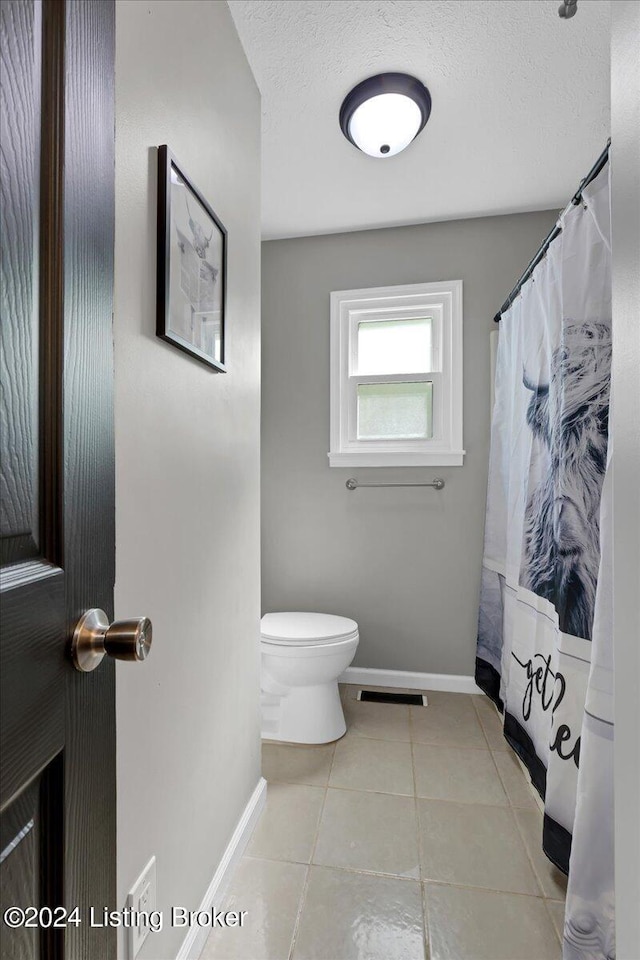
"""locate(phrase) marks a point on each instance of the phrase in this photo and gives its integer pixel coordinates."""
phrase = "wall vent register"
(396, 376)
(382, 696)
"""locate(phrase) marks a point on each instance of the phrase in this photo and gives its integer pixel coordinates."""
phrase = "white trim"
(382, 459)
(193, 943)
(449, 682)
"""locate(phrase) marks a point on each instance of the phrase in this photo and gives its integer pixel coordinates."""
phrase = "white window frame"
(443, 303)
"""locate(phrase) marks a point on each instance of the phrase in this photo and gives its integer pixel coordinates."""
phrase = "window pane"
(395, 411)
(394, 346)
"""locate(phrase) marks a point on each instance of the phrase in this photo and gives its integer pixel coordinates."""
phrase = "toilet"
(303, 654)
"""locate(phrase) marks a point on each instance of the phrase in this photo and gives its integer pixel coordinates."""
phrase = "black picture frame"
(191, 267)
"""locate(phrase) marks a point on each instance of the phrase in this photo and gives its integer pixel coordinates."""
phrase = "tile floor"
(415, 837)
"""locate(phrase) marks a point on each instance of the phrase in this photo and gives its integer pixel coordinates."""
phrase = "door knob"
(123, 639)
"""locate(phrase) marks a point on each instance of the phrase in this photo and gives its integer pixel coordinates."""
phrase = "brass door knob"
(94, 637)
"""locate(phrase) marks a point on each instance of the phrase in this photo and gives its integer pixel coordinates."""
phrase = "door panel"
(19, 870)
(30, 850)
(20, 66)
(33, 670)
(57, 768)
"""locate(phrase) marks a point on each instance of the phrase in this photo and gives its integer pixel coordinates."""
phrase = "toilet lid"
(306, 627)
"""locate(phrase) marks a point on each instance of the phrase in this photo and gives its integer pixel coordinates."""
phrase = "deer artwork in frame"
(191, 267)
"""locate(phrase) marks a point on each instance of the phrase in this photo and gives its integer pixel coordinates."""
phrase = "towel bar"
(353, 484)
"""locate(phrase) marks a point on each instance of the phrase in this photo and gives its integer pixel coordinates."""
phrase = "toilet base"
(311, 714)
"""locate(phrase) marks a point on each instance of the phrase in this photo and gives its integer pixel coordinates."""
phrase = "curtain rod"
(554, 232)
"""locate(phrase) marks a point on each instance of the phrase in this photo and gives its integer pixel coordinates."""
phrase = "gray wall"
(625, 430)
(187, 461)
(404, 563)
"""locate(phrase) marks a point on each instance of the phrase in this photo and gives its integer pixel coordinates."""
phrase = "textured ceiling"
(520, 107)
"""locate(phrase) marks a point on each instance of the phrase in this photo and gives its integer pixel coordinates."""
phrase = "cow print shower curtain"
(544, 650)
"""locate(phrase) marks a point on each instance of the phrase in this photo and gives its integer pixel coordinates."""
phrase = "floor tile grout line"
(493, 751)
(557, 933)
(419, 796)
(505, 747)
(335, 866)
(350, 736)
(428, 743)
(531, 860)
(514, 806)
(305, 887)
(425, 921)
(450, 746)
(470, 886)
(500, 777)
(296, 924)
(479, 719)
(425, 933)
(423, 882)
(526, 850)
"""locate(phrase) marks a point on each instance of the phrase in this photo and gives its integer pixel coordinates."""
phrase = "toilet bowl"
(303, 654)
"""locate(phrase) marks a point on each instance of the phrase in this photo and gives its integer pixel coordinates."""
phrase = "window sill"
(450, 458)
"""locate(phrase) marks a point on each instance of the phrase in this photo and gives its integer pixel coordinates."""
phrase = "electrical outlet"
(141, 901)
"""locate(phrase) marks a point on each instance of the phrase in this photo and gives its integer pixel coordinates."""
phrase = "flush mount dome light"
(383, 114)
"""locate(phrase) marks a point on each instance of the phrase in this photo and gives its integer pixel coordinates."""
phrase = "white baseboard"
(196, 938)
(450, 682)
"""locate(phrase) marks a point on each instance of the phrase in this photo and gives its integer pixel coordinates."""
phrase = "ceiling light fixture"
(383, 114)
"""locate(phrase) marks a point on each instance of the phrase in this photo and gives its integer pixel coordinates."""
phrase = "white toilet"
(303, 654)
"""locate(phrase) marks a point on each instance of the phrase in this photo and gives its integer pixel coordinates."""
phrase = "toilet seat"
(297, 629)
(298, 651)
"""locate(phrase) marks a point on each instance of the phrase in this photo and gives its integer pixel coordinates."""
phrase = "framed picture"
(192, 267)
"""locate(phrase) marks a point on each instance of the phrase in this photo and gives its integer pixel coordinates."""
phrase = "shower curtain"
(544, 652)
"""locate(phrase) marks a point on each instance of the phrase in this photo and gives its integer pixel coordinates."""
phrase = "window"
(396, 376)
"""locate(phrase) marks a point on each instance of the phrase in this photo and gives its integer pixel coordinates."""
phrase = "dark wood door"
(57, 765)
